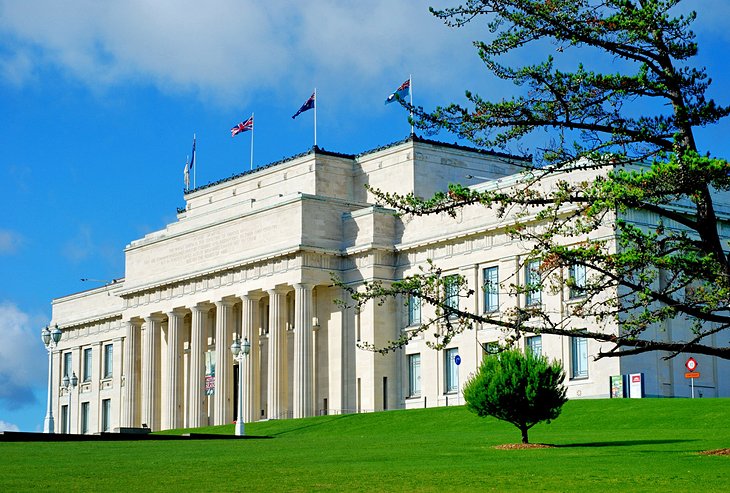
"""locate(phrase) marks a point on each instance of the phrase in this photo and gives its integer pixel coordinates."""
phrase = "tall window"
(64, 419)
(106, 414)
(577, 275)
(84, 417)
(451, 370)
(578, 357)
(533, 283)
(67, 365)
(87, 365)
(534, 345)
(108, 360)
(414, 375)
(451, 291)
(414, 310)
(491, 289)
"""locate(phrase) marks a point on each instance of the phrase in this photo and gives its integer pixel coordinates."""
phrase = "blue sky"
(99, 102)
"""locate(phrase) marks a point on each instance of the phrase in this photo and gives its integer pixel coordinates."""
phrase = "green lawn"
(601, 445)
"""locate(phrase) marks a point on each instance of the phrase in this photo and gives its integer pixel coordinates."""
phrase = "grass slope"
(601, 445)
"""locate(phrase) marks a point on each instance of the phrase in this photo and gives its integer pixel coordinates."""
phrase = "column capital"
(224, 303)
(177, 312)
(304, 285)
(154, 318)
(278, 290)
(252, 295)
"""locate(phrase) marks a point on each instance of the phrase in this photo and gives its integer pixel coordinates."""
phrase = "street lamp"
(50, 339)
(69, 385)
(240, 350)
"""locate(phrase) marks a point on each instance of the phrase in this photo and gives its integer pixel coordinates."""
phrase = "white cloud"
(10, 241)
(21, 357)
(232, 47)
(8, 426)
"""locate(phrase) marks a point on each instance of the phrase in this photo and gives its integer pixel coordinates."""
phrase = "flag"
(186, 174)
(192, 160)
(400, 93)
(242, 127)
(308, 105)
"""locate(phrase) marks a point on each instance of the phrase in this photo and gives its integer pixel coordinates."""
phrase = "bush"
(523, 389)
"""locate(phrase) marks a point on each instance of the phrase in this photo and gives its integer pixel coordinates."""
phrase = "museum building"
(253, 257)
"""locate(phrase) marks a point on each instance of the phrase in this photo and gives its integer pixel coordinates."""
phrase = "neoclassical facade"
(253, 256)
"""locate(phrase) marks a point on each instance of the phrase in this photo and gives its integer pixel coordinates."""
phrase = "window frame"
(414, 310)
(451, 291)
(87, 364)
(451, 371)
(67, 363)
(85, 407)
(532, 276)
(530, 346)
(490, 287)
(578, 358)
(106, 415)
(108, 360)
(578, 290)
(414, 375)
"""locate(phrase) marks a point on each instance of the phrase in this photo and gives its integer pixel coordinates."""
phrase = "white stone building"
(252, 257)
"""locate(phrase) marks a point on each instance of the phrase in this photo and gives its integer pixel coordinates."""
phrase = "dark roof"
(319, 150)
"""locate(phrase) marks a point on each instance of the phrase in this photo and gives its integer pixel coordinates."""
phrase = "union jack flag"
(242, 127)
(400, 93)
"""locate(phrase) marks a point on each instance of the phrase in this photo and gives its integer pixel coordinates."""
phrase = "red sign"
(691, 364)
(692, 374)
(636, 378)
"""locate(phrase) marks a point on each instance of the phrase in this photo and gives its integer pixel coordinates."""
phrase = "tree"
(633, 129)
(522, 389)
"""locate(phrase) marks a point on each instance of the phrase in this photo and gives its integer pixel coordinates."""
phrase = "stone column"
(276, 392)
(172, 417)
(303, 352)
(198, 346)
(130, 404)
(250, 331)
(150, 365)
(223, 410)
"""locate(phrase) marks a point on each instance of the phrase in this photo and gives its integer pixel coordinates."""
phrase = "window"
(108, 360)
(64, 419)
(578, 357)
(87, 365)
(66, 365)
(491, 289)
(106, 414)
(451, 370)
(84, 417)
(414, 375)
(533, 282)
(451, 291)
(534, 345)
(577, 276)
(414, 310)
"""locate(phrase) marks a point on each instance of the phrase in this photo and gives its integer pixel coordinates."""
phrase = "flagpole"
(195, 168)
(410, 87)
(253, 127)
(315, 117)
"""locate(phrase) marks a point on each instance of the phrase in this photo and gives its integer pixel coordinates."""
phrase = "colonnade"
(164, 362)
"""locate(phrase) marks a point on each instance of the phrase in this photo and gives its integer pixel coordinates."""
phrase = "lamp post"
(240, 350)
(69, 384)
(50, 339)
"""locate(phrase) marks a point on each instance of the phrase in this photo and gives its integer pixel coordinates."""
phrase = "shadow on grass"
(621, 443)
(315, 424)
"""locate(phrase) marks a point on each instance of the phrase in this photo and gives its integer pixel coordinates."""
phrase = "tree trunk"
(523, 428)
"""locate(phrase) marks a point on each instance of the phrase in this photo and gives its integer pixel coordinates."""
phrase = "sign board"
(692, 374)
(457, 360)
(691, 365)
(617, 387)
(636, 385)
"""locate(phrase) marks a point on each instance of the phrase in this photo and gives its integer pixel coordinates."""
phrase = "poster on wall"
(210, 373)
(617, 387)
